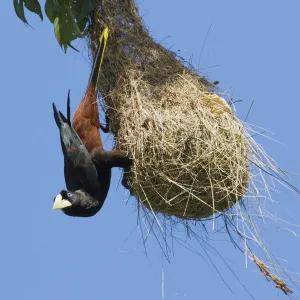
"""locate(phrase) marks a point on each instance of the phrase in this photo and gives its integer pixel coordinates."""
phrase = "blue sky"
(252, 49)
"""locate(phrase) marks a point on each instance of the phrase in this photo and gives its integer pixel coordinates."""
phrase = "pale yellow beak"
(60, 203)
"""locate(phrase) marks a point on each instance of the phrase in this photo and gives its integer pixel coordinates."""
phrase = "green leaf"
(59, 3)
(65, 29)
(51, 10)
(76, 30)
(72, 47)
(69, 18)
(35, 7)
(57, 31)
(82, 24)
(19, 9)
(82, 8)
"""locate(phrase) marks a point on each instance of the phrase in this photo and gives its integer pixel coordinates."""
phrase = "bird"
(87, 165)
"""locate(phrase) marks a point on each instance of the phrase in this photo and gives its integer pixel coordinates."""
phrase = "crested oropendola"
(87, 166)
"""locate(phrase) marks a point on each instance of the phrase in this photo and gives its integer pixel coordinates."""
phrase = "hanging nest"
(192, 157)
(189, 150)
(190, 154)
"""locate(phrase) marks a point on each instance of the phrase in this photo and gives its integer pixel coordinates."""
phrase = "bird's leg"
(114, 158)
(105, 128)
(125, 179)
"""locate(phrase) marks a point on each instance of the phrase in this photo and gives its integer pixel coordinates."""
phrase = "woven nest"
(189, 151)
(192, 157)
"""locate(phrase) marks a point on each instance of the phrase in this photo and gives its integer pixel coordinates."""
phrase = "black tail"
(57, 116)
(98, 59)
(69, 109)
(68, 135)
(75, 152)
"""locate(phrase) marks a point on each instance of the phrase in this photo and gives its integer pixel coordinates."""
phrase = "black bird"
(87, 166)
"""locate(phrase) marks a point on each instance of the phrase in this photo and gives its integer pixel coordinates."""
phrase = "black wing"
(80, 171)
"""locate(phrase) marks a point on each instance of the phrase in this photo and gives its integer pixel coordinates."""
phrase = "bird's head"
(76, 204)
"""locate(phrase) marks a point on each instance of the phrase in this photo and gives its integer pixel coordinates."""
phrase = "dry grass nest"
(190, 154)
(189, 150)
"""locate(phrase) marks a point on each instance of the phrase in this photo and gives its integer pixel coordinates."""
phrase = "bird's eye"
(69, 194)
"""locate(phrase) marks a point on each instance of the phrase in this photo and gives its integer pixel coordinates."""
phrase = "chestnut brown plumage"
(87, 165)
